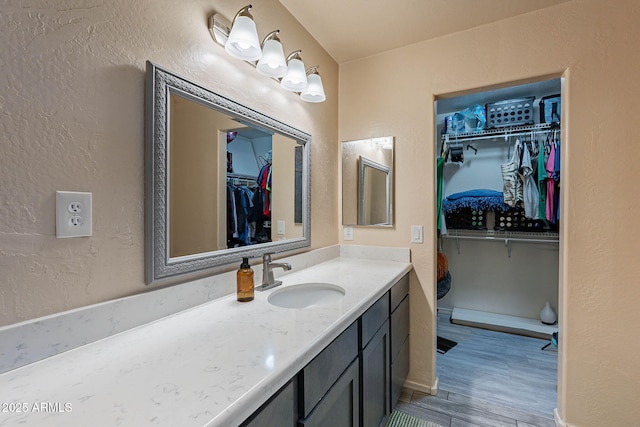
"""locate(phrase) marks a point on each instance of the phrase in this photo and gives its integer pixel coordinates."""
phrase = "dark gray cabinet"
(280, 410)
(375, 378)
(339, 406)
(356, 380)
(399, 330)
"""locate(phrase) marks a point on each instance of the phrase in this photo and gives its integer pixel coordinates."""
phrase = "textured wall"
(72, 118)
(592, 45)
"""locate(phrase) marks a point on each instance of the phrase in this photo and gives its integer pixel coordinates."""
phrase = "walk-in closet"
(499, 214)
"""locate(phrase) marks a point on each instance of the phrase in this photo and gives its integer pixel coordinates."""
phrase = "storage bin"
(467, 218)
(512, 112)
(550, 109)
(514, 220)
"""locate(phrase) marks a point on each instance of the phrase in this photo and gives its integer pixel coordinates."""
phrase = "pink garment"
(550, 167)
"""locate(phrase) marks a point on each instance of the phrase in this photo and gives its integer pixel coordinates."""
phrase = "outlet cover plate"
(348, 232)
(73, 214)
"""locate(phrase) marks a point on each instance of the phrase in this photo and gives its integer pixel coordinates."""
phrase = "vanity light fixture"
(240, 40)
(296, 78)
(272, 63)
(243, 42)
(315, 91)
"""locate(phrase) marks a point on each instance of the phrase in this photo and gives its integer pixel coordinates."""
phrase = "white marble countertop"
(212, 365)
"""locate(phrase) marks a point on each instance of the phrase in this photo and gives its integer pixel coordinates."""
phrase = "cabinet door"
(280, 410)
(399, 349)
(399, 372)
(375, 378)
(325, 369)
(340, 406)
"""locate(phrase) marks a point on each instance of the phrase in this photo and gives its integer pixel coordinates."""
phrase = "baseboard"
(445, 310)
(431, 390)
(503, 323)
(558, 420)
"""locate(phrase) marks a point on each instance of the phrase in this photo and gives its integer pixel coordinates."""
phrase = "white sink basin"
(306, 295)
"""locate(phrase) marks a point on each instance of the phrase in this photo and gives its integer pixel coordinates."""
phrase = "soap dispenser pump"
(245, 281)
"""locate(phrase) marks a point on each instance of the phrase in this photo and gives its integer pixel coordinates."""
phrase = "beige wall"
(72, 107)
(283, 181)
(593, 44)
(196, 176)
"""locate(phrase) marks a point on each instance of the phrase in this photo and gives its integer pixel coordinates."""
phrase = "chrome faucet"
(268, 280)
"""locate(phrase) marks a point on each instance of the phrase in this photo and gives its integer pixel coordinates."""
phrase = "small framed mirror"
(367, 182)
(223, 181)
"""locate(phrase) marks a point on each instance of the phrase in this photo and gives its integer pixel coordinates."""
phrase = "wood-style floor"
(489, 379)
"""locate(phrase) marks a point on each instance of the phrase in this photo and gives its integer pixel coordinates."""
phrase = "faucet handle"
(267, 256)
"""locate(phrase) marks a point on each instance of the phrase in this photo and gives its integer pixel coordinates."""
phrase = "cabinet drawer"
(320, 374)
(399, 327)
(280, 410)
(373, 318)
(399, 291)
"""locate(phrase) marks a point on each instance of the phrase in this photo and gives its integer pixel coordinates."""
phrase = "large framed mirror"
(223, 181)
(367, 182)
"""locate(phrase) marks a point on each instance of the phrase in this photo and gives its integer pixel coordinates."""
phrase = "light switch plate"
(280, 227)
(73, 214)
(416, 234)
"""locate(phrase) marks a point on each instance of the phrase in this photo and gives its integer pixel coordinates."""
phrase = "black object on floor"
(445, 345)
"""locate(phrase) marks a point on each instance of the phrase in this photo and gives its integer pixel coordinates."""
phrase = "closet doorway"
(498, 185)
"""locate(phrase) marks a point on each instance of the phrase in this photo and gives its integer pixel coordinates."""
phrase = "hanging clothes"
(542, 187)
(439, 185)
(240, 208)
(512, 187)
(264, 182)
(529, 187)
(550, 184)
(556, 178)
(549, 179)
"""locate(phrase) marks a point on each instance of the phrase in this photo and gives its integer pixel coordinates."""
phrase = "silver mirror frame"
(159, 267)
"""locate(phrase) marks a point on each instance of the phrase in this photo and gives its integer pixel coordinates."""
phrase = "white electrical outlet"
(348, 232)
(73, 214)
(416, 234)
(280, 227)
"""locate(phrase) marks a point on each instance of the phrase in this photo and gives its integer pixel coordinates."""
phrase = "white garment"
(512, 189)
(529, 187)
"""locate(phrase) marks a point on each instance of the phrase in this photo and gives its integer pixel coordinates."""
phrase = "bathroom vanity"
(226, 363)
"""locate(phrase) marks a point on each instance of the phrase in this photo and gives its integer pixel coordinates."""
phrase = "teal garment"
(439, 177)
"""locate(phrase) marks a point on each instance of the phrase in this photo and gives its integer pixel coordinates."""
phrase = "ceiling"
(353, 29)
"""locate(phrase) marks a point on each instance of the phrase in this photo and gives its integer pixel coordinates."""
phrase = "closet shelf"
(506, 236)
(505, 132)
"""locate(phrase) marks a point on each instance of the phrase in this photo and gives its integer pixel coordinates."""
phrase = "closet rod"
(241, 176)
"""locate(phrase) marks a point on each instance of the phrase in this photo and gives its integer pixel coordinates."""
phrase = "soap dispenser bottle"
(245, 281)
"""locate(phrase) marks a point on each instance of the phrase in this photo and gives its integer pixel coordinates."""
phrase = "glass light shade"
(243, 42)
(296, 78)
(272, 63)
(315, 91)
